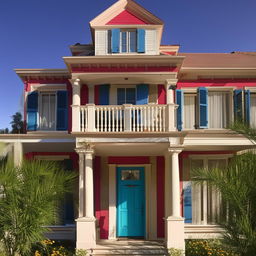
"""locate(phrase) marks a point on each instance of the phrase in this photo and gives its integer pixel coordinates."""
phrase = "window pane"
(218, 109)
(48, 112)
(253, 111)
(189, 111)
(133, 41)
(120, 96)
(131, 96)
(124, 41)
(130, 175)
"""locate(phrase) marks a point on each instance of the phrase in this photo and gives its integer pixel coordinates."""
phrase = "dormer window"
(127, 41)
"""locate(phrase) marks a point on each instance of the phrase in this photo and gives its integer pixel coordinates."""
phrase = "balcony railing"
(125, 118)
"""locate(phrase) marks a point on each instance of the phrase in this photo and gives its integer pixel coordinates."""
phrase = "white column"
(175, 237)
(112, 202)
(170, 84)
(89, 197)
(127, 117)
(17, 153)
(76, 102)
(86, 222)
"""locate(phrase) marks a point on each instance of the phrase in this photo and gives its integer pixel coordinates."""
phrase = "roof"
(246, 60)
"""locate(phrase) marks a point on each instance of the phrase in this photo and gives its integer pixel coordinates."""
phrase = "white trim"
(113, 199)
(48, 87)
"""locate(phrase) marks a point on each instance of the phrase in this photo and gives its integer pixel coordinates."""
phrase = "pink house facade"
(134, 117)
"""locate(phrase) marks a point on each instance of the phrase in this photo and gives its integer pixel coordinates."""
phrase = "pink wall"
(126, 18)
(160, 196)
(161, 94)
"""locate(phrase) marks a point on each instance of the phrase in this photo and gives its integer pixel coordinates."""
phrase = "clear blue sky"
(37, 33)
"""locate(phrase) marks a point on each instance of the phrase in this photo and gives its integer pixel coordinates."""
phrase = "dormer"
(126, 28)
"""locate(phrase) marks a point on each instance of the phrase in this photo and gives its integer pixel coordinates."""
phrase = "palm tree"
(237, 185)
(28, 199)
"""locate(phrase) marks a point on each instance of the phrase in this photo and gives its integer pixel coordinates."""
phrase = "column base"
(175, 233)
(85, 233)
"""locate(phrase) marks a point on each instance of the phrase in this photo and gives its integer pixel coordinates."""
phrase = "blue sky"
(37, 33)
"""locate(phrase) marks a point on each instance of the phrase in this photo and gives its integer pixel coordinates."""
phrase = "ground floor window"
(202, 203)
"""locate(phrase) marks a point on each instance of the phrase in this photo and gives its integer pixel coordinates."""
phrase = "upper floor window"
(128, 41)
(126, 96)
(47, 111)
(204, 109)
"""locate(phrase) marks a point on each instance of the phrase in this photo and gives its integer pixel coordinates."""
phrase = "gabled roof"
(125, 12)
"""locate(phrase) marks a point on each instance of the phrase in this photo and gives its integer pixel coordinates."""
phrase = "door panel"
(130, 202)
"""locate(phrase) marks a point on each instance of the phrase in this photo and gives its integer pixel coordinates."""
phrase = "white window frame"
(40, 107)
(196, 110)
(205, 159)
(128, 46)
(228, 89)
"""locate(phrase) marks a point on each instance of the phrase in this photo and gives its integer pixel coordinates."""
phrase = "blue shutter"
(247, 106)
(187, 199)
(238, 105)
(180, 102)
(142, 94)
(203, 107)
(141, 40)
(32, 111)
(62, 110)
(104, 94)
(115, 42)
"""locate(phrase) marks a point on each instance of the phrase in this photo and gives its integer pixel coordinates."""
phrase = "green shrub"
(175, 252)
(207, 248)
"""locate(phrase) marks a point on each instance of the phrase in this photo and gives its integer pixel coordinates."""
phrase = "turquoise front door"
(130, 202)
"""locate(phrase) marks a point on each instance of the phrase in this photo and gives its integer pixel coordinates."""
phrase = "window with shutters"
(47, 111)
(128, 41)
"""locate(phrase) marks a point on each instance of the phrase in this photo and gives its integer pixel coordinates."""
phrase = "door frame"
(150, 225)
(118, 190)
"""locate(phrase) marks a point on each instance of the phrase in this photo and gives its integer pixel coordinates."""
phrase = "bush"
(207, 248)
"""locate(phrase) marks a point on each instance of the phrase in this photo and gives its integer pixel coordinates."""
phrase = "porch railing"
(125, 118)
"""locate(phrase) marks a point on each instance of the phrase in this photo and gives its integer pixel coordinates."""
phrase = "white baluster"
(117, 120)
(105, 119)
(160, 119)
(121, 119)
(109, 120)
(152, 119)
(113, 119)
(164, 114)
(101, 120)
(141, 119)
(82, 119)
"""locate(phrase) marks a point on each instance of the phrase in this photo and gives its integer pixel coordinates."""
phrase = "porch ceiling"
(130, 149)
(124, 78)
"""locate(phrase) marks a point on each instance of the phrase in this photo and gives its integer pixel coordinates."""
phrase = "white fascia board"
(38, 140)
(123, 140)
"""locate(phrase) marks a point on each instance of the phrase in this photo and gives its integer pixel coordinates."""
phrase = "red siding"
(96, 95)
(124, 69)
(126, 18)
(161, 94)
(101, 215)
(160, 197)
(84, 94)
(129, 160)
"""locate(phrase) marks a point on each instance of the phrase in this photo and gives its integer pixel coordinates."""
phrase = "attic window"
(128, 41)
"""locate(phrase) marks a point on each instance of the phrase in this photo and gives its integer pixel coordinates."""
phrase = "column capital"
(86, 148)
(171, 151)
(171, 82)
(75, 82)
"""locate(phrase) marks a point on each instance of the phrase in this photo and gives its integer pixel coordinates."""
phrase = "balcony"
(124, 118)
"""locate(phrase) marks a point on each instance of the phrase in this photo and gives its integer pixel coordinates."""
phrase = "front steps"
(129, 247)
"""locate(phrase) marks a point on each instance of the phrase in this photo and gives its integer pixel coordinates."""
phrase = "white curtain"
(48, 112)
(218, 109)
(189, 111)
(253, 111)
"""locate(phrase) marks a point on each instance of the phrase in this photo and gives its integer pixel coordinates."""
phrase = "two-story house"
(133, 117)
